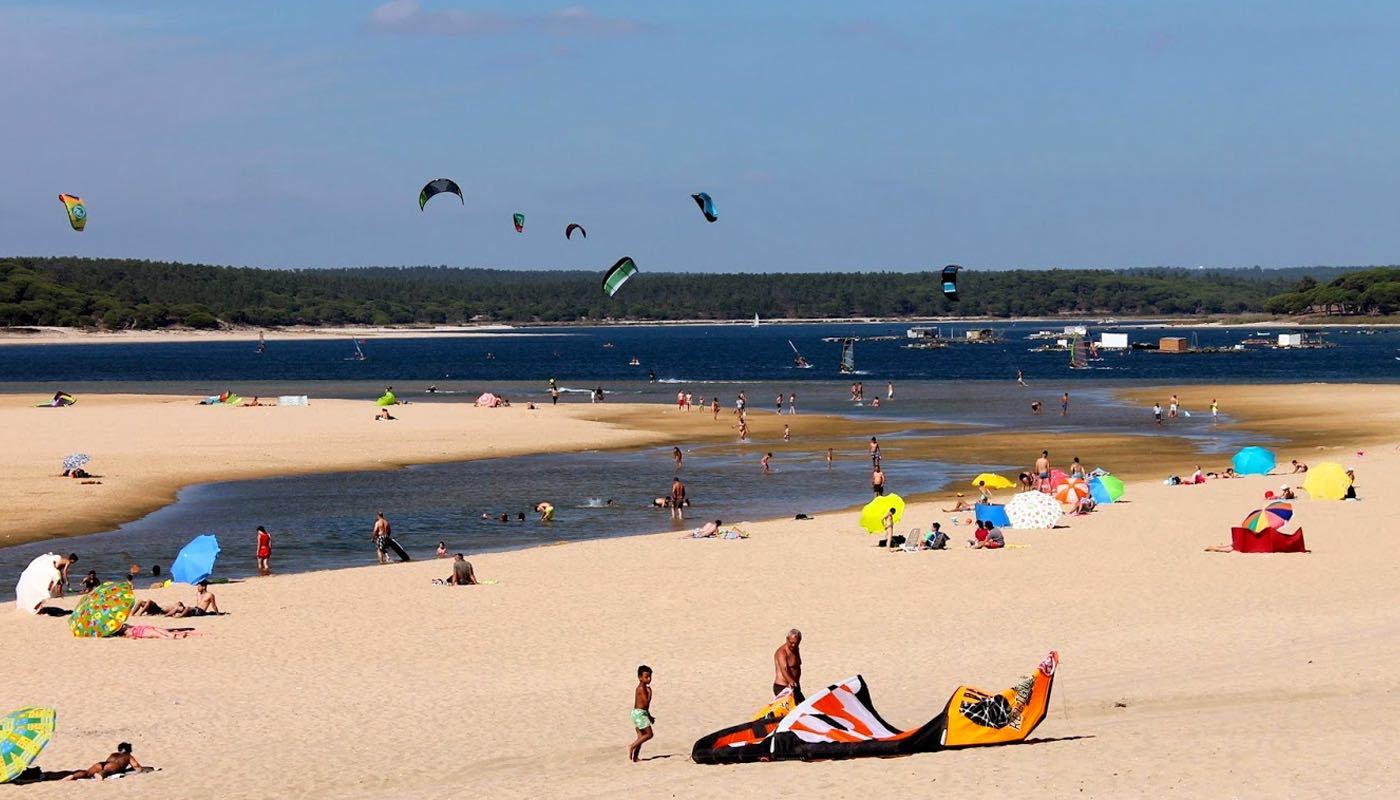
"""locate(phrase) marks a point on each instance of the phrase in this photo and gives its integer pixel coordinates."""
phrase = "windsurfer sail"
(848, 356)
(755, 319)
(262, 343)
(359, 354)
(1078, 353)
(797, 359)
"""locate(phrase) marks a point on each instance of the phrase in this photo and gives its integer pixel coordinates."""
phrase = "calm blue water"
(690, 354)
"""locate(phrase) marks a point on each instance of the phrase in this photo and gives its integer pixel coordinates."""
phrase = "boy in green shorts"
(642, 719)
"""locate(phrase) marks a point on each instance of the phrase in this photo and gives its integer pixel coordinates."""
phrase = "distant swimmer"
(432, 388)
(1035, 407)
(545, 510)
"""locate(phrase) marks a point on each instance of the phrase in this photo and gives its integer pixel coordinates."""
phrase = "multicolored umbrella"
(873, 515)
(196, 559)
(23, 735)
(103, 611)
(1274, 515)
(1033, 510)
(1105, 489)
(993, 481)
(1253, 461)
(1327, 481)
(75, 460)
(1071, 492)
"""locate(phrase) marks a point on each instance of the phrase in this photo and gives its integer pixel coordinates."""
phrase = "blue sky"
(873, 135)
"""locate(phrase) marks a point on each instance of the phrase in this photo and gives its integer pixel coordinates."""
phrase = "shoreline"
(52, 508)
(59, 335)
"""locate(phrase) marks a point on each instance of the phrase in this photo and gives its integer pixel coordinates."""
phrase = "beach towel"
(293, 400)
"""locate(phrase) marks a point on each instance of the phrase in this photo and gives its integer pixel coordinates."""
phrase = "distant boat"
(262, 344)
(755, 320)
(848, 356)
(634, 362)
(359, 354)
(1079, 353)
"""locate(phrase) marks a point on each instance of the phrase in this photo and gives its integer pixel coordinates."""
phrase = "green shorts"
(640, 720)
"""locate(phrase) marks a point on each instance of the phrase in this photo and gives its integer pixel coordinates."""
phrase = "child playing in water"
(642, 719)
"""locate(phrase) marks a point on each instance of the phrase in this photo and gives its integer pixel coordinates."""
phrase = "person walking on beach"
(380, 537)
(787, 433)
(1173, 407)
(743, 430)
(1214, 410)
(714, 406)
(787, 666)
(889, 390)
(1157, 412)
(642, 719)
(1020, 377)
(554, 395)
(677, 499)
(877, 481)
(1064, 404)
(792, 403)
(763, 462)
(779, 404)
(875, 452)
(1042, 471)
(677, 457)
(264, 551)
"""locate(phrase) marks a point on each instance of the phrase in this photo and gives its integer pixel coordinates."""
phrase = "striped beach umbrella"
(103, 611)
(1071, 492)
(23, 735)
(1274, 515)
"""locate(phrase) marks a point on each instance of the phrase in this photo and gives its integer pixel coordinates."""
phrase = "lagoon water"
(323, 521)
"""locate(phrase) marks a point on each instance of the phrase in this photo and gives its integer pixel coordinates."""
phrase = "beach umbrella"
(872, 516)
(196, 559)
(1274, 515)
(1033, 510)
(103, 611)
(1105, 489)
(1057, 477)
(75, 460)
(33, 587)
(1327, 481)
(23, 735)
(993, 481)
(1253, 461)
(1071, 492)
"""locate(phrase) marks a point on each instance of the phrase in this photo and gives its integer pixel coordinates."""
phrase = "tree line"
(115, 294)
(1372, 291)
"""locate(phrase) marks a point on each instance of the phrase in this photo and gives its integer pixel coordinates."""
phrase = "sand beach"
(1183, 673)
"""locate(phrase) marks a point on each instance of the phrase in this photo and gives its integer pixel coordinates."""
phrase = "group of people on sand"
(787, 682)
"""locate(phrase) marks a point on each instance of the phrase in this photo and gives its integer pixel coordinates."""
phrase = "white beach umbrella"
(1033, 510)
(33, 587)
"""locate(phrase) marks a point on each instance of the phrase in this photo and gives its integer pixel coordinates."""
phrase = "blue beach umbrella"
(1253, 461)
(196, 559)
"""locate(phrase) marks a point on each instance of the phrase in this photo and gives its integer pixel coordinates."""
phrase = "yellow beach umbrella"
(873, 515)
(993, 481)
(1327, 481)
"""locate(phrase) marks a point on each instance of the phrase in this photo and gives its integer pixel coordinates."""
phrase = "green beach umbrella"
(23, 735)
(1112, 485)
(103, 611)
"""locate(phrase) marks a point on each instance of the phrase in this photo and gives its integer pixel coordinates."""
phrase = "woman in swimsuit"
(116, 763)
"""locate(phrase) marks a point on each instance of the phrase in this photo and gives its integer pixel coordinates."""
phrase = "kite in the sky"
(950, 282)
(574, 226)
(619, 274)
(707, 206)
(840, 722)
(519, 222)
(77, 212)
(439, 186)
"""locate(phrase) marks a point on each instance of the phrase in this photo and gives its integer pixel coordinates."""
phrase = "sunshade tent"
(196, 559)
(1033, 510)
(33, 587)
(993, 513)
(1105, 489)
(24, 734)
(103, 611)
(1327, 481)
(993, 481)
(873, 515)
(1253, 461)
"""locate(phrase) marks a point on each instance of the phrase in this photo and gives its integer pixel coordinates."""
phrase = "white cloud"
(409, 16)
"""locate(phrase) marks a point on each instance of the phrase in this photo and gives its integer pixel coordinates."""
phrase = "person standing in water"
(787, 433)
(1020, 377)
(1064, 404)
(763, 462)
(778, 403)
(889, 390)
(380, 537)
(792, 403)
(677, 457)
(642, 719)
(877, 481)
(264, 551)
(714, 406)
(829, 455)
(1214, 410)
(677, 499)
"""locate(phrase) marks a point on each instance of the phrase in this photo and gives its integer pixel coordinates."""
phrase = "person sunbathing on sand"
(152, 632)
(116, 763)
(961, 505)
(383, 413)
(148, 608)
(205, 604)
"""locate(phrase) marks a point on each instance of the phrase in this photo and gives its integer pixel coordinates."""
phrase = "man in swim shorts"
(380, 536)
(642, 719)
(1042, 471)
(787, 666)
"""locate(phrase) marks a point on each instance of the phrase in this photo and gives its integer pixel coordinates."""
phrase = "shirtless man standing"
(677, 499)
(787, 666)
(877, 481)
(1042, 471)
(380, 537)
